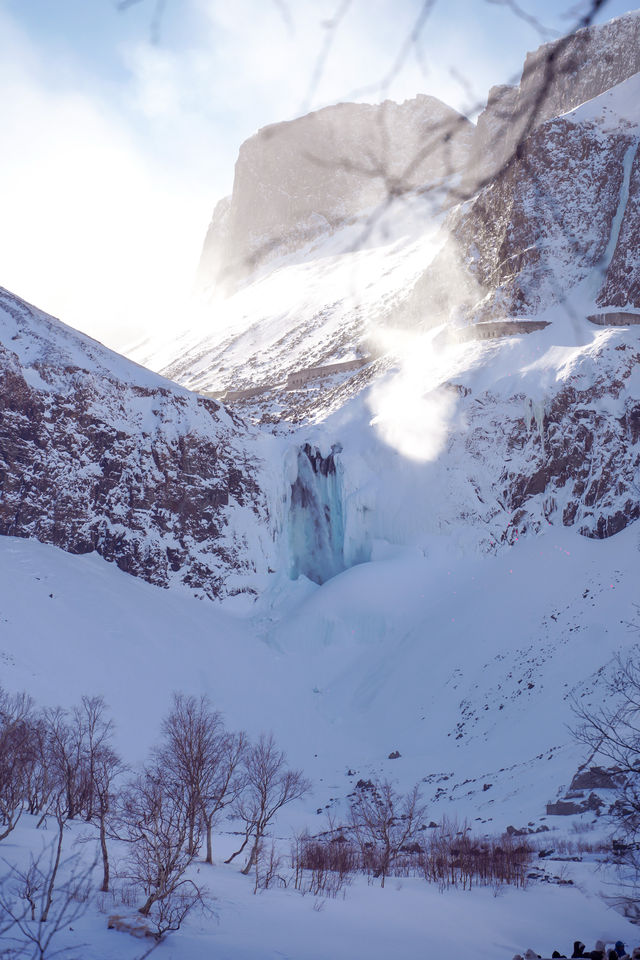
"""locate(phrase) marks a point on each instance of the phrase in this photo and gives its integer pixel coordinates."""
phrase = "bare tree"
(94, 732)
(18, 753)
(324, 865)
(191, 743)
(222, 782)
(384, 822)
(107, 768)
(205, 758)
(30, 920)
(78, 765)
(269, 785)
(65, 760)
(452, 856)
(101, 768)
(156, 823)
(40, 780)
(171, 911)
(611, 733)
(611, 730)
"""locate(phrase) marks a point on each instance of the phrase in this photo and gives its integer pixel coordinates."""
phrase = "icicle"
(538, 413)
(316, 522)
(528, 413)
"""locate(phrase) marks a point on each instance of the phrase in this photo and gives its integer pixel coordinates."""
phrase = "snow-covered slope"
(464, 665)
(318, 305)
(562, 213)
(556, 78)
(97, 453)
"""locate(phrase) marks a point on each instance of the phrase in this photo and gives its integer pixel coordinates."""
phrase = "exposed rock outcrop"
(557, 77)
(296, 179)
(97, 453)
(622, 284)
(565, 212)
(572, 459)
(587, 471)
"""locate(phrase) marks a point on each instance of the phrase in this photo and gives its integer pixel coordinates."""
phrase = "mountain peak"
(298, 178)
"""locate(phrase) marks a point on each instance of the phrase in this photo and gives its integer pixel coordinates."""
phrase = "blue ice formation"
(316, 520)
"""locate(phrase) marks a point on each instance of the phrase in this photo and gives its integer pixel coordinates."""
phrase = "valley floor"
(446, 659)
(406, 919)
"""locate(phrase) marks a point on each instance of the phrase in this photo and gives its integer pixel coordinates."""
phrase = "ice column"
(316, 520)
(534, 411)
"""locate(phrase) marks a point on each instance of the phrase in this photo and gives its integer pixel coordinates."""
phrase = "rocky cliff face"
(557, 227)
(621, 287)
(97, 453)
(556, 78)
(571, 458)
(297, 179)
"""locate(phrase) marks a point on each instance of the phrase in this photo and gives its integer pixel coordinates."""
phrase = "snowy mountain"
(97, 453)
(518, 424)
(399, 446)
(556, 78)
(297, 180)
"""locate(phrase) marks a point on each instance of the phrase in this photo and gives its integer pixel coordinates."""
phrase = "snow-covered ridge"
(100, 454)
(296, 180)
(38, 339)
(556, 78)
(612, 109)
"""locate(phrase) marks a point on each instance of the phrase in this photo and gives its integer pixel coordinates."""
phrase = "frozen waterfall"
(316, 521)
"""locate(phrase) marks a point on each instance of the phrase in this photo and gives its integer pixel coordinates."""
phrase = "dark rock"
(597, 778)
(567, 808)
(90, 460)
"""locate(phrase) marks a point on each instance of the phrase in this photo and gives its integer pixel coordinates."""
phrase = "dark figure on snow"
(578, 949)
(620, 950)
(558, 956)
(600, 951)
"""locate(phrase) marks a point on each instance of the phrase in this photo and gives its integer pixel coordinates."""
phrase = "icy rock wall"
(316, 516)
(316, 521)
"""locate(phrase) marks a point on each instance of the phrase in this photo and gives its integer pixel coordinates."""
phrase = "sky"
(121, 124)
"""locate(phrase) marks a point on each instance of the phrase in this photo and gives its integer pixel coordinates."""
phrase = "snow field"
(460, 663)
(406, 919)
